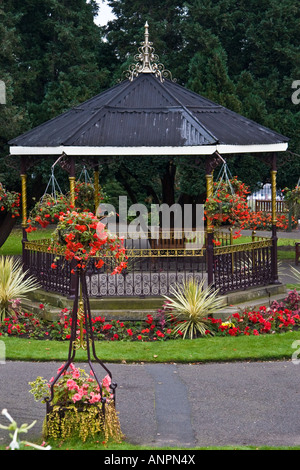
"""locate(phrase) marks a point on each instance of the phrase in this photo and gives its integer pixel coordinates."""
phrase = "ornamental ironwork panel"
(242, 266)
(146, 276)
(38, 261)
(150, 272)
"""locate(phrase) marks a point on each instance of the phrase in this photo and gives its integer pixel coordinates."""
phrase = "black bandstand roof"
(145, 115)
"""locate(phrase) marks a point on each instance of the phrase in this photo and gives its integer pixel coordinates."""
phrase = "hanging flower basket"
(292, 199)
(81, 236)
(228, 205)
(77, 407)
(52, 206)
(85, 197)
(292, 196)
(47, 211)
(9, 211)
(9, 202)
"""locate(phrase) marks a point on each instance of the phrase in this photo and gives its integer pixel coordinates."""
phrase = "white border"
(109, 151)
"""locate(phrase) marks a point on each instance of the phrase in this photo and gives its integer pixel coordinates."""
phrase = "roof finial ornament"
(147, 61)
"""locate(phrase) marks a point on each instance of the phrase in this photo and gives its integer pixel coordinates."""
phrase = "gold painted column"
(96, 187)
(72, 180)
(274, 261)
(209, 226)
(209, 193)
(273, 185)
(23, 176)
(72, 189)
(24, 200)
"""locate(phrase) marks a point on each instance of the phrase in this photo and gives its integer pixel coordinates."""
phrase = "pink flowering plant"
(75, 386)
(77, 406)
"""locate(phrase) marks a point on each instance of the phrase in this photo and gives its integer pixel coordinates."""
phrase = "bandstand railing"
(242, 266)
(152, 271)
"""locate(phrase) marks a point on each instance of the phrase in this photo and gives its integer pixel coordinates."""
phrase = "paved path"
(183, 405)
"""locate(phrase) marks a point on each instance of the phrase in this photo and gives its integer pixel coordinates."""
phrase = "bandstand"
(150, 114)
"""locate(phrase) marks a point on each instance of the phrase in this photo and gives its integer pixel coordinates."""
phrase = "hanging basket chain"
(55, 188)
(224, 175)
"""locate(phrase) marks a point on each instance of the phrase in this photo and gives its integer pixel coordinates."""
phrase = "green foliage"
(191, 306)
(14, 283)
(244, 55)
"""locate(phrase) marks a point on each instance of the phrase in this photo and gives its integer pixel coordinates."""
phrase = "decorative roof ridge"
(147, 61)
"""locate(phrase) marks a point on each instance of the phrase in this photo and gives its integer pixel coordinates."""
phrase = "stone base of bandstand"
(136, 308)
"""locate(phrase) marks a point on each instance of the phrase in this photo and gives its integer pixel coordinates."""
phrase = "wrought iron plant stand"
(82, 320)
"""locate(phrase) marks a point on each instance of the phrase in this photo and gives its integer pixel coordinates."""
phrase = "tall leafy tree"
(13, 117)
(126, 32)
(60, 55)
(53, 55)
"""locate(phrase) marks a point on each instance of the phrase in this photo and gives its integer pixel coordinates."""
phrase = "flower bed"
(279, 318)
(27, 325)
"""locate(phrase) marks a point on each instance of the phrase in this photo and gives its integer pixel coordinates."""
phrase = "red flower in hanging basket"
(228, 204)
(82, 237)
(46, 211)
(9, 201)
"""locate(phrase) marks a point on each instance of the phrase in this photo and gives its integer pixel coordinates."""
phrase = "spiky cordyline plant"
(192, 305)
(14, 283)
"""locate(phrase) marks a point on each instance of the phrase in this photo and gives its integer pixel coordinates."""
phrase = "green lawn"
(13, 245)
(208, 349)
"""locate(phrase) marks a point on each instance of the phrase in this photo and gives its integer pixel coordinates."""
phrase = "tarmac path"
(178, 405)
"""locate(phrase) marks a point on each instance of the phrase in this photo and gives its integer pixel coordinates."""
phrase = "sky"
(105, 13)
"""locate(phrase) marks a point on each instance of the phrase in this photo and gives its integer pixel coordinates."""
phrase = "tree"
(13, 117)
(126, 32)
(60, 55)
(53, 59)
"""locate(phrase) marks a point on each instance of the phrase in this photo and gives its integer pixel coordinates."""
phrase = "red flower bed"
(278, 318)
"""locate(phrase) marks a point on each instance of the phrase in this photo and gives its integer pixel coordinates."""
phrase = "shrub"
(14, 283)
(191, 306)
